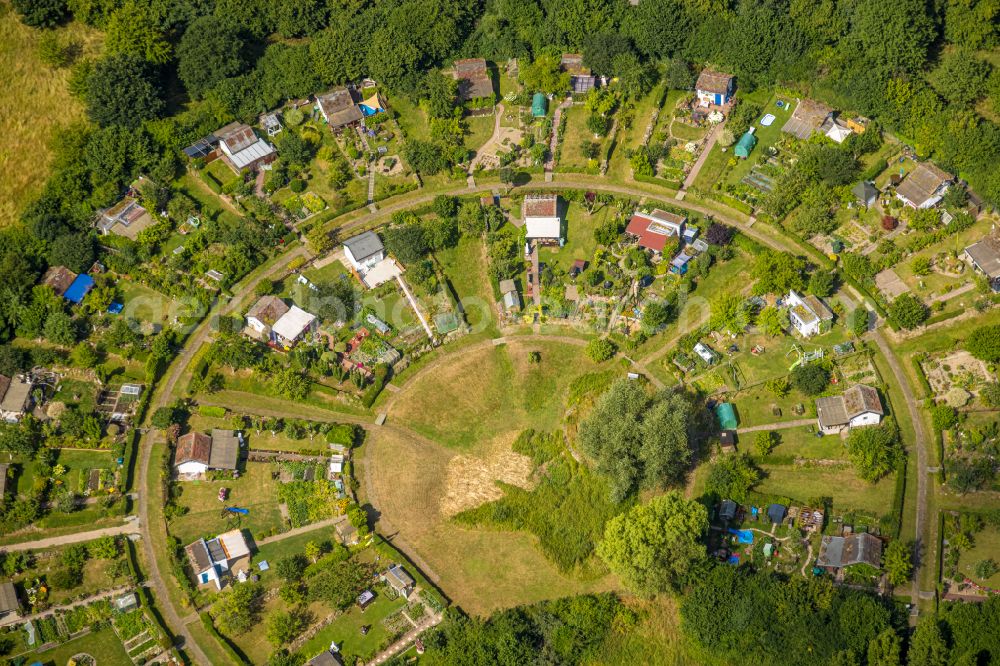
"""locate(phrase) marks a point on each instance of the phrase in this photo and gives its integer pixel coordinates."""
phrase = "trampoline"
(767, 119)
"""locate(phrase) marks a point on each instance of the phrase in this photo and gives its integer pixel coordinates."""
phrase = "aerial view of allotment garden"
(500, 332)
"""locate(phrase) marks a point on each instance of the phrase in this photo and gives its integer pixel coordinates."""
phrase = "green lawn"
(986, 545)
(465, 267)
(146, 304)
(801, 443)
(716, 162)
(393, 308)
(472, 386)
(479, 132)
(766, 136)
(580, 242)
(411, 118)
(211, 206)
(803, 484)
(685, 132)
(77, 464)
(103, 645)
(631, 138)
(346, 630)
(254, 490)
(332, 272)
(575, 138)
(293, 545)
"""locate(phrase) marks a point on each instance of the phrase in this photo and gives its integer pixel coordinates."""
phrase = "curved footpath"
(369, 220)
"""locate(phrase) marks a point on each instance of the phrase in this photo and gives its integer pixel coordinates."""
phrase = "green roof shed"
(726, 415)
(745, 145)
(538, 105)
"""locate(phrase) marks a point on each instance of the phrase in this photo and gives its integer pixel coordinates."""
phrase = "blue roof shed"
(80, 287)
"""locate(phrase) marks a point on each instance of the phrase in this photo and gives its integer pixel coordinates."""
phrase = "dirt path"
(164, 392)
(305, 529)
(415, 306)
(781, 425)
(923, 525)
(130, 527)
(64, 607)
(407, 639)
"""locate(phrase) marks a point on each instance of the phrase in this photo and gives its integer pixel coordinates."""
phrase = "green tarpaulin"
(727, 416)
(745, 145)
(538, 105)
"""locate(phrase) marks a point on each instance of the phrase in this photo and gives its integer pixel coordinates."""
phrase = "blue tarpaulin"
(734, 559)
(115, 308)
(81, 285)
(743, 536)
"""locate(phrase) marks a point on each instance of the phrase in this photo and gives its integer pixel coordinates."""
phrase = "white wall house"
(293, 326)
(924, 187)
(264, 313)
(713, 88)
(857, 407)
(364, 251)
(541, 218)
(808, 314)
(213, 560)
(15, 397)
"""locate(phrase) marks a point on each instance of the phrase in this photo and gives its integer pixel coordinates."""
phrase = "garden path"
(713, 136)
(131, 526)
(329, 522)
(780, 425)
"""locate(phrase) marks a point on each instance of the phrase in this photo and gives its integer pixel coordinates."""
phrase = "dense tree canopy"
(652, 547)
(638, 440)
(123, 90)
(208, 52)
(760, 618)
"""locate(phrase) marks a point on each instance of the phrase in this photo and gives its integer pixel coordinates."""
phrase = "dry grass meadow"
(34, 103)
(413, 485)
(466, 412)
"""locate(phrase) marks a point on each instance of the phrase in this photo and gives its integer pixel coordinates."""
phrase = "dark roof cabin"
(339, 108)
(59, 278)
(225, 449)
(474, 80)
(728, 509)
(807, 118)
(326, 658)
(836, 552)
(776, 512)
(581, 80)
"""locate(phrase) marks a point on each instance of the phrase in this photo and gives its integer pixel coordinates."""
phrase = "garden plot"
(890, 285)
(858, 369)
(959, 370)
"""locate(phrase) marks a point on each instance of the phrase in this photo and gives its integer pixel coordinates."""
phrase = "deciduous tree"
(653, 546)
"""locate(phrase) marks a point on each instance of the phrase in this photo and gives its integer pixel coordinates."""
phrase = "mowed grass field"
(802, 483)
(34, 103)
(466, 401)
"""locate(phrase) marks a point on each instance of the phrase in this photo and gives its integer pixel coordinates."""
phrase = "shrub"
(297, 185)
(810, 379)
(601, 349)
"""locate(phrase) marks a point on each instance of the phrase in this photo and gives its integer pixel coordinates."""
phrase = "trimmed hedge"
(206, 621)
(918, 370)
(211, 410)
